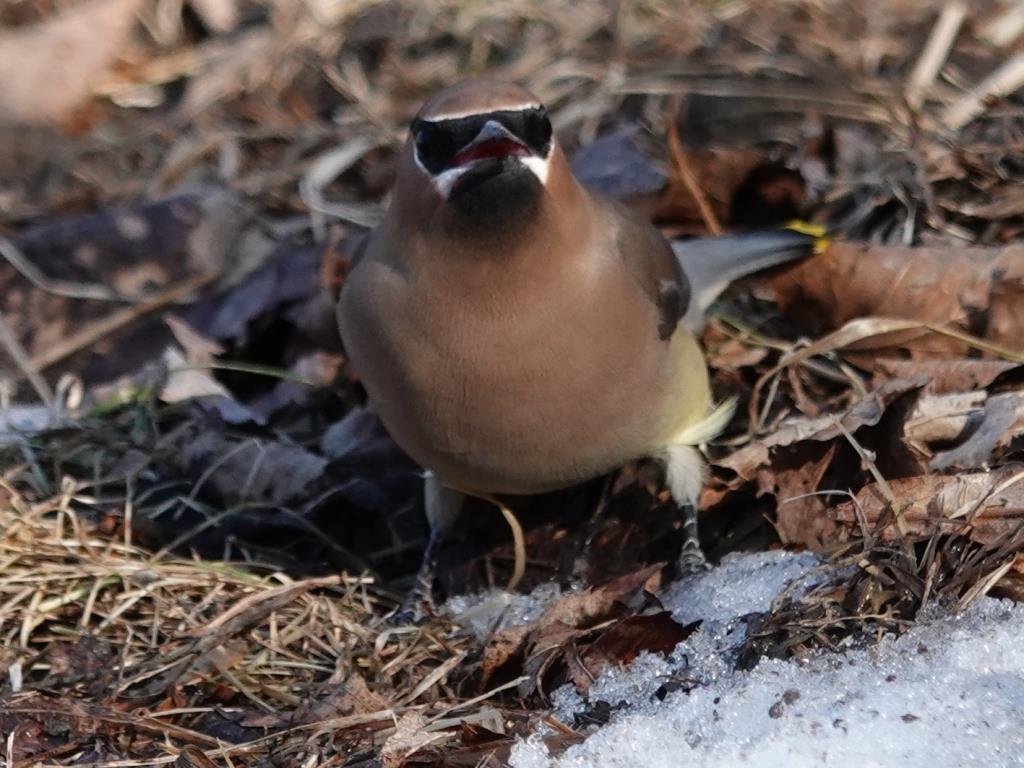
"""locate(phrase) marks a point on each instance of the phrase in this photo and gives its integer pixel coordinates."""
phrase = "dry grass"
(101, 638)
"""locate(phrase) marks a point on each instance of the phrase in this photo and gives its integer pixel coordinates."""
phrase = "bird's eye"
(537, 130)
(434, 145)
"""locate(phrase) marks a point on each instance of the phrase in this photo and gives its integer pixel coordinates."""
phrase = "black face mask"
(439, 141)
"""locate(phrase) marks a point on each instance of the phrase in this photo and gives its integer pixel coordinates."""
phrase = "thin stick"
(518, 540)
(67, 288)
(682, 165)
(1005, 28)
(869, 462)
(1004, 81)
(93, 332)
(29, 369)
(935, 52)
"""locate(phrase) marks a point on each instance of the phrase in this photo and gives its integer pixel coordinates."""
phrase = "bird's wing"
(650, 260)
(710, 264)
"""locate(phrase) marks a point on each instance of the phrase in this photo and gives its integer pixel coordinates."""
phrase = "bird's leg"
(691, 558)
(443, 506)
(684, 475)
(595, 518)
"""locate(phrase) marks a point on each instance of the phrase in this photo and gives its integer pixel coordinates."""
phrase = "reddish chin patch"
(485, 150)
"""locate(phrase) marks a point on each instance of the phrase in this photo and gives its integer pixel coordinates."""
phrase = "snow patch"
(946, 693)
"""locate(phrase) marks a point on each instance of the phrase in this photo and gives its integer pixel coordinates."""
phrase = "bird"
(520, 334)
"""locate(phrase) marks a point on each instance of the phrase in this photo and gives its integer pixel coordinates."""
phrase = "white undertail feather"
(685, 471)
(708, 427)
(685, 468)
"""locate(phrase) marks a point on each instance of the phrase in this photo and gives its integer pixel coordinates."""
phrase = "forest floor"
(203, 527)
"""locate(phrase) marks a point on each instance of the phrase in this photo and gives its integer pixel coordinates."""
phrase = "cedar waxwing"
(519, 334)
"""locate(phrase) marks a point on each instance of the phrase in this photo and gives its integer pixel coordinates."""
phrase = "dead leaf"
(624, 640)
(974, 423)
(866, 412)
(48, 69)
(985, 505)
(944, 376)
(618, 167)
(793, 477)
(999, 417)
(409, 737)
(720, 173)
(502, 649)
(981, 290)
(73, 274)
(572, 616)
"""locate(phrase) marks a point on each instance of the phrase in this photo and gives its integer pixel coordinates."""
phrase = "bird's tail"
(712, 263)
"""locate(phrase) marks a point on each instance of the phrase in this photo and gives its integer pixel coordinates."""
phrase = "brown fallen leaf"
(985, 505)
(866, 412)
(965, 427)
(409, 737)
(944, 376)
(806, 456)
(624, 640)
(719, 173)
(65, 278)
(549, 644)
(793, 477)
(981, 290)
(47, 70)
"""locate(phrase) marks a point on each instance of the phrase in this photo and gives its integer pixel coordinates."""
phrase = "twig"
(1004, 81)
(93, 332)
(1006, 27)
(67, 288)
(682, 165)
(29, 369)
(869, 462)
(518, 540)
(935, 52)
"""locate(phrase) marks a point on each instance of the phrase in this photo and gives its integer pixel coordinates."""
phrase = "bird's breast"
(504, 386)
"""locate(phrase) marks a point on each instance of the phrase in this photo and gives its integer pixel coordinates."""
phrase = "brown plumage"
(516, 333)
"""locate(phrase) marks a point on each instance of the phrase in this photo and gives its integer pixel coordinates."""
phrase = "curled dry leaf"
(793, 462)
(975, 423)
(987, 506)
(981, 290)
(944, 376)
(409, 737)
(567, 622)
(865, 412)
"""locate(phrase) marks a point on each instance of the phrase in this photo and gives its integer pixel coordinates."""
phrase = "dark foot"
(691, 558)
(418, 605)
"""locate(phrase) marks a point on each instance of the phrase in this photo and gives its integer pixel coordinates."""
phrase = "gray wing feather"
(711, 264)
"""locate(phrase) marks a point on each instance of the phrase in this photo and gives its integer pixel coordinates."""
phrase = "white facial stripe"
(444, 181)
(538, 166)
(470, 112)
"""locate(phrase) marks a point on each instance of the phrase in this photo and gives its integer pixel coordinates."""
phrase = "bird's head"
(485, 148)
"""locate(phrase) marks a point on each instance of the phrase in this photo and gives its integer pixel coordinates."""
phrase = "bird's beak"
(493, 141)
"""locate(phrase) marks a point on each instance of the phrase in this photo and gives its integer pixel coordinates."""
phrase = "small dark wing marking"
(670, 302)
(653, 264)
